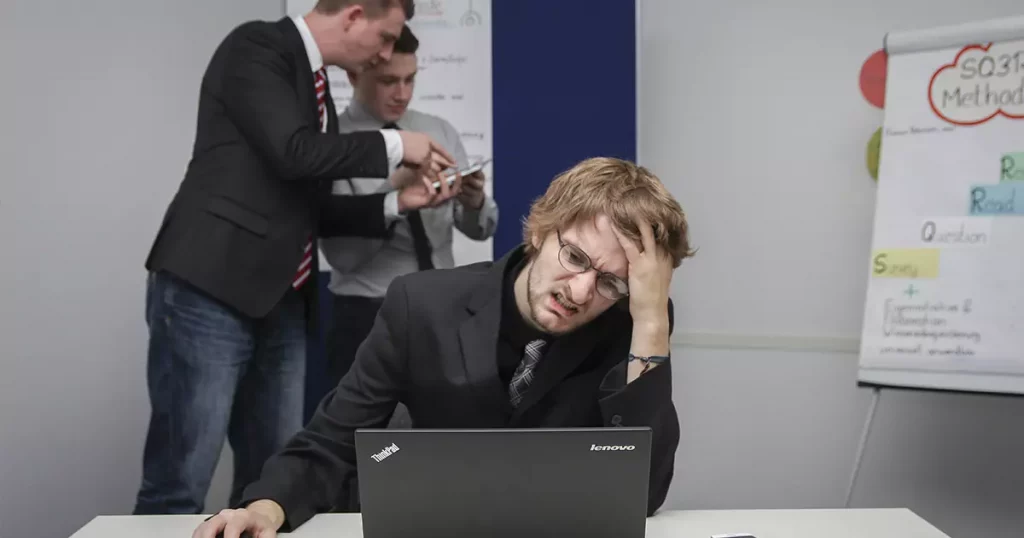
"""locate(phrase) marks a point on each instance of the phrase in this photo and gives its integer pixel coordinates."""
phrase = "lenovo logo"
(612, 447)
(383, 454)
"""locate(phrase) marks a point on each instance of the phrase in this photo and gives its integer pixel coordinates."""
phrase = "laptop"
(497, 483)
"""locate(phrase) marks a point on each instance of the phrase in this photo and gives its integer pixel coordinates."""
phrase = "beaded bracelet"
(648, 361)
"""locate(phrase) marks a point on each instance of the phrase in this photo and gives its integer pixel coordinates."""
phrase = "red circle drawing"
(872, 78)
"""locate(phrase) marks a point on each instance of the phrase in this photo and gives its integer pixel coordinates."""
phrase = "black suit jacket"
(433, 347)
(258, 183)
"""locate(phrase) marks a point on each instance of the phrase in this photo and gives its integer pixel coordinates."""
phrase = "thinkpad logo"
(383, 454)
(612, 447)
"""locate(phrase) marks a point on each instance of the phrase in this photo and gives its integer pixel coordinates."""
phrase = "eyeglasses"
(574, 260)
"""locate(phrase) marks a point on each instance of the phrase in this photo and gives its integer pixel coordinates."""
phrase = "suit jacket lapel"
(305, 83)
(478, 336)
(304, 71)
(332, 113)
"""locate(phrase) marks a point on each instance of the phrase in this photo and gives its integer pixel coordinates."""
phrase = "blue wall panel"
(564, 89)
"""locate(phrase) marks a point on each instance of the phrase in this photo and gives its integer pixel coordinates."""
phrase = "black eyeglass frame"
(620, 287)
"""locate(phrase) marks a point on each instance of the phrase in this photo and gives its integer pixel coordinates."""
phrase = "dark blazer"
(258, 183)
(433, 348)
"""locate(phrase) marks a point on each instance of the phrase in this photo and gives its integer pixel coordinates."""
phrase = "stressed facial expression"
(576, 275)
(368, 41)
(387, 88)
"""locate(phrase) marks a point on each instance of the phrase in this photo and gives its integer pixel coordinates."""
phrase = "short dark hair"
(406, 42)
(372, 6)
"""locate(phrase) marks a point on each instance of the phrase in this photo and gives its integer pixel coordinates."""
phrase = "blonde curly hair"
(622, 190)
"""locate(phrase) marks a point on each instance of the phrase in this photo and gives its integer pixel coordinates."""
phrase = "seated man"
(571, 329)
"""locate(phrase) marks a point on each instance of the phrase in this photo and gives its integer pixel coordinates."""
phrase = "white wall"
(751, 113)
(99, 110)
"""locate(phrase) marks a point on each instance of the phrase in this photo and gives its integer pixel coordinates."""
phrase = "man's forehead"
(599, 228)
(400, 64)
(393, 21)
(598, 240)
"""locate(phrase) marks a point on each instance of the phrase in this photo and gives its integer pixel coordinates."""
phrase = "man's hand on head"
(650, 277)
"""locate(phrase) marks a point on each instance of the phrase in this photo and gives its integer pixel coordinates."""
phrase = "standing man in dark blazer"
(231, 287)
(570, 330)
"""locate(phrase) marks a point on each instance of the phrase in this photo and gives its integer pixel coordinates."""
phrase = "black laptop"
(515, 483)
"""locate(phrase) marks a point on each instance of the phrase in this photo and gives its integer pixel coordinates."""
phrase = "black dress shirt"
(514, 332)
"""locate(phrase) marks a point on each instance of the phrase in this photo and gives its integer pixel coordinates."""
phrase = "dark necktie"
(420, 241)
(523, 376)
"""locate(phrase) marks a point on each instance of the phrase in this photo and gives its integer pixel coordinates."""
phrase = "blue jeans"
(213, 374)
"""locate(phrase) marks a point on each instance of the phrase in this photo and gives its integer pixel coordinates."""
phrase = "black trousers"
(351, 320)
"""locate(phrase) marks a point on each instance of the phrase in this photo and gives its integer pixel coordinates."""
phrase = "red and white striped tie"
(320, 86)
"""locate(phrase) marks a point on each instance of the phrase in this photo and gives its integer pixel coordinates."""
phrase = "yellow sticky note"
(905, 263)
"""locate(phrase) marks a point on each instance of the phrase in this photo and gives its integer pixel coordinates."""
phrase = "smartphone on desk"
(471, 169)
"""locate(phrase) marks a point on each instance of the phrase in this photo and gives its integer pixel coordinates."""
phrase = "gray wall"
(751, 113)
(99, 104)
(98, 120)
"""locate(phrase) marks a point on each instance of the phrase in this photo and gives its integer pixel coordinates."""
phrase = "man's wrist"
(650, 338)
(654, 326)
(649, 346)
(392, 207)
(268, 509)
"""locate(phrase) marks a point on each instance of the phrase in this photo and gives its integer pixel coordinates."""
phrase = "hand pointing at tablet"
(423, 153)
(417, 195)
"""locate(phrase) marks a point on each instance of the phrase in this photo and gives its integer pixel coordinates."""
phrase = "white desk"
(856, 523)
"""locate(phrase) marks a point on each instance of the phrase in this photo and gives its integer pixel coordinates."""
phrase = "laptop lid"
(499, 483)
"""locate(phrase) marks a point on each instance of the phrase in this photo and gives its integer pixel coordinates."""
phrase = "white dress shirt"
(365, 267)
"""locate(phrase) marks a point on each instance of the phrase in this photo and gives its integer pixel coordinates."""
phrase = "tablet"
(450, 176)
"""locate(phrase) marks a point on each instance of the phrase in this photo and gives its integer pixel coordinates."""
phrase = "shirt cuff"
(487, 212)
(391, 213)
(393, 143)
(480, 216)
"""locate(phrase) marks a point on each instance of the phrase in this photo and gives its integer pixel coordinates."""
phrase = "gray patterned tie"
(524, 373)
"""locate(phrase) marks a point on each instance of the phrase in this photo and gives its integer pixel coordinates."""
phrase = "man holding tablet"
(569, 330)
(362, 268)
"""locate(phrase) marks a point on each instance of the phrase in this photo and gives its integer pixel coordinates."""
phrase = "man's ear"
(535, 241)
(350, 14)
